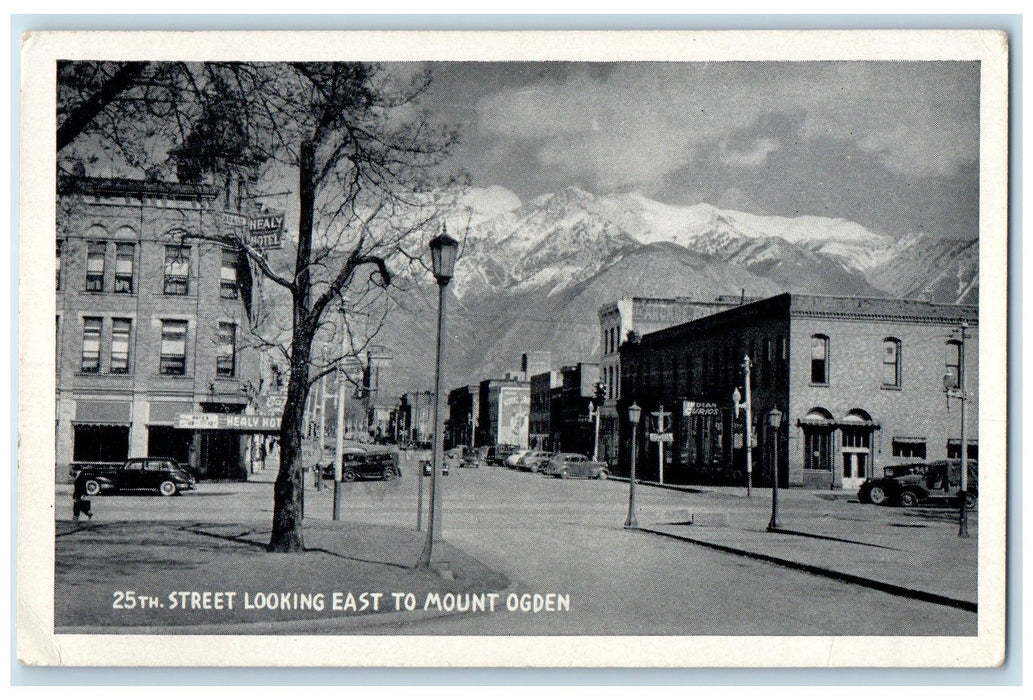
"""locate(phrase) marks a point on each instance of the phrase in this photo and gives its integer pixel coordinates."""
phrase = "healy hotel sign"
(265, 231)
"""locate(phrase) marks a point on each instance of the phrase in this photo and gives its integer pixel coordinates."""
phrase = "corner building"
(150, 325)
(860, 384)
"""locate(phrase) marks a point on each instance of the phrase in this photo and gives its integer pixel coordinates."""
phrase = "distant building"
(463, 414)
(151, 326)
(860, 384)
(504, 406)
(535, 362)
(573, 426)
(414, 418)
(540, 424)
(640, 315)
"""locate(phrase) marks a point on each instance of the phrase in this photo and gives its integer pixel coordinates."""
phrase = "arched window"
(952, 365)
(819, 359)
(891, 362)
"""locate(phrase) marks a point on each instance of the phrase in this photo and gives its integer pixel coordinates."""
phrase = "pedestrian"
(81, 505)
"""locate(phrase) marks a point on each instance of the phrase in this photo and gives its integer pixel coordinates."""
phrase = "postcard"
(551, 349)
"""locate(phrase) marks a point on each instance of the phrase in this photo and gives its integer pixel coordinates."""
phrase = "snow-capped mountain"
(533, 275)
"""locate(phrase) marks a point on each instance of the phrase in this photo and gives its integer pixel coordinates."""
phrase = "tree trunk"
(289, 492)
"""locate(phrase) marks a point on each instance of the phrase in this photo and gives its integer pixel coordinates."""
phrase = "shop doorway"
(857, 429)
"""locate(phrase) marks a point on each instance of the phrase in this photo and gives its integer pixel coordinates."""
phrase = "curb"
(875, 584)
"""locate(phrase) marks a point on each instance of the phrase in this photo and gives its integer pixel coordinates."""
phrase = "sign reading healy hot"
(229, 421)
(266, 231)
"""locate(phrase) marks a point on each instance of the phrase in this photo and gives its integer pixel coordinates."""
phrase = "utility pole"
(747, 408)
(661, 429)
(318, 474)
(342, 379)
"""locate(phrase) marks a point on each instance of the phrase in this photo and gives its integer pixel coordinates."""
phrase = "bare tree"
(367, 160)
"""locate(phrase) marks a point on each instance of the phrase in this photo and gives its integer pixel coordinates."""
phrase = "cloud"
(633, 125)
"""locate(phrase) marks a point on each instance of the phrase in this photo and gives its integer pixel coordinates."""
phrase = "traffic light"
(600, 393)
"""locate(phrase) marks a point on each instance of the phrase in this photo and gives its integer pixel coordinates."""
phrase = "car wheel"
(970, 501)
(602, 475)
(348, 475)
(564, 473)
(168, 488)
(92, 488)
(908, 499)
(877, 495)
(389, 474)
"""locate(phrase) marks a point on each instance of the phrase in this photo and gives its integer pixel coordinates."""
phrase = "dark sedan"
(921, 482)
(357, 463)
(161, 474)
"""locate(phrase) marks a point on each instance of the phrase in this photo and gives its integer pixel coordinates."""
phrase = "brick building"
(860, 383)
(151, 325)
(504, 412)
(540, 424)
(463, 414)
(640, 315)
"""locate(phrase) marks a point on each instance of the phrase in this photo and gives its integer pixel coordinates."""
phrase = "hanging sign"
(266, 231)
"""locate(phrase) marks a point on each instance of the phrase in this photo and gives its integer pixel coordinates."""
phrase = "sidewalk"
(913, 552)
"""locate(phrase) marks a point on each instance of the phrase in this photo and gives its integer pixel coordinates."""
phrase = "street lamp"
(443, 251)
(747, 408)
(634, 415)
(774, 422)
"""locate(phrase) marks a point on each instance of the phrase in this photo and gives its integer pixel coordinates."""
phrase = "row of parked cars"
(563, 465)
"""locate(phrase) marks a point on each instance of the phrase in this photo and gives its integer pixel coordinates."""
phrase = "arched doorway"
(856, 448)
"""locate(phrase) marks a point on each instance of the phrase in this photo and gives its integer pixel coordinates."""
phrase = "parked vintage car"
(360, 463)
(534, 461)
(511, 460)
(919, 482)
(497, 454)
(162, 474)
(470, 458)
(566, 465)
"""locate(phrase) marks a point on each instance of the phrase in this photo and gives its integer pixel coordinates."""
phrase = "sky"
(893, 146)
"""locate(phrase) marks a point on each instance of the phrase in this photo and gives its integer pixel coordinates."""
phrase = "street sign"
(700, 408)
(230, 421)
(661, 437)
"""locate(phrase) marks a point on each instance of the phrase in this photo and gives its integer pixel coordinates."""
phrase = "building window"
(91, 345)
(909, 448)
(120, 329)
(891, 362)
(124, 253)
(95, 266)
(173, 347)
(57, 262)
(225, 362)
(954, 449)
(819, 359)
(952, 365)
(228, 275)
(177, 269)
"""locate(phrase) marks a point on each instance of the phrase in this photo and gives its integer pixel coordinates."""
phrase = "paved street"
(567, 537)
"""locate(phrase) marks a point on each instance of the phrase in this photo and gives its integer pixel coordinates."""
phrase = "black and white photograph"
(561, 349)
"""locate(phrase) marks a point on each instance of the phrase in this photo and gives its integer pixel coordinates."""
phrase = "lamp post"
(955, 389)
(443, 251)
(634, 415)
(774, 422)
(747, 408)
